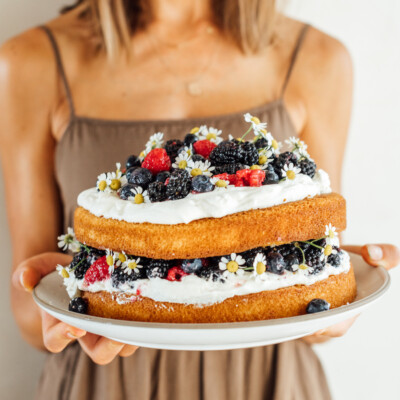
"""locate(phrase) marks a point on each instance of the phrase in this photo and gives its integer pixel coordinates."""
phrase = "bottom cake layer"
(289, 301)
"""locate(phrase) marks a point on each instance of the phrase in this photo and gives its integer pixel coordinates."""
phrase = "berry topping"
(227, 152)
(192, 266)
(201, 184)
(282, 160)
(190, 138)
(315, 259)
(256, 177)
(204, 147)
(126, 191)
(162, 176)
(129, 172)
(275, 263)
(156, 161)
(80, 264)
(261, 143)
(119, 276)
(270, 176)
(249, 153)
(98, 271)
(132, 161)
(198, 157)
(176, 274)
(211, 274)
(157, 191)
(172, 148)
(178, 185)
(141, 177)
(335, 259)
(78, 305)
(307, 167)
(317, 305)
(228, 168)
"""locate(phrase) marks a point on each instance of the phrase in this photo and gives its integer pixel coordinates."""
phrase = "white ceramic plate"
(372, 283)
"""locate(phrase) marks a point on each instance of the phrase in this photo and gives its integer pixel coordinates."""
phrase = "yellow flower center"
(115, 184)
(110, 260)
(138, 199)
(211, 136)
(196, 171)
(303, 266)
(263, 131)
(141, 154)
(274, 144)
(328, 250)
(121, 257)
(102, 185)
(194, 130)
(221, 183)
(64, 273)
(260, 268)
(255, 167)
(182, 164)
(232, 266)
(262, 159)
(255, 120)
(290, 174)
(132, 265)
(331, 234)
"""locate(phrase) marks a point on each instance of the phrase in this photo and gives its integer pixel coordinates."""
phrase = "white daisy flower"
(219, 183)
(188, 150)
(298, 147)
(328, 250)
(331, 235)
(265, 135)
(258, 126)
(197, 130)
(290, 171)
(155, 141)
(102, 185)
(130, 265)
(111, 258)
(264, 158)
(182, 160)
(68, 241)
(139, 196)
(232, 266)
(70, 281)
(302, 268)
(211, 134)
(259, 265)
(200, 168)
(119, 258)
(113, 179)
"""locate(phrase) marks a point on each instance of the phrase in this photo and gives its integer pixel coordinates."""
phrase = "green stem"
(246, 133)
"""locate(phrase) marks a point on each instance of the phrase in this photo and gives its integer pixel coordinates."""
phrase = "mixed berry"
(203, 162)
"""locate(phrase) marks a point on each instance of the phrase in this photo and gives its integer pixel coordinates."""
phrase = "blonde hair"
(249, 23)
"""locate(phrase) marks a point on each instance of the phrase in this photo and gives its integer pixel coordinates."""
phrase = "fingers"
(28, 273)
(102, 350)
(58, 335)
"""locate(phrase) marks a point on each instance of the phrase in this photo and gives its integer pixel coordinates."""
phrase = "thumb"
(30, 271)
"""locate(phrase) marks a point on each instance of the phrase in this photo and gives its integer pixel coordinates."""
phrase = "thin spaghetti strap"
(297, 47)
(60, 68)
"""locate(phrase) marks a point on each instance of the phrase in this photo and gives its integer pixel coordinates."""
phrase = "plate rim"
(227, 325)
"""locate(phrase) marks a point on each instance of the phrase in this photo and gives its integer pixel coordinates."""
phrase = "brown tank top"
(288, 371)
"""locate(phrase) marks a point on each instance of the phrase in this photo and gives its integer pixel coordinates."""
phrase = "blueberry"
(129, 172)
(317, 305)
(290, 260)
(270, 176)
(132, 161)
(126, 191)
(334, 259)
(141, 177)
(275, 263)
(78, 305)
(198, 157)
(201, 184)
(190, 139)
(162, 176)
(191, 266)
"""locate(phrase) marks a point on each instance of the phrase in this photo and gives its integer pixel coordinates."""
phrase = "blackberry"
(78, 305)
(250, 255)
(308, 167)
(227, 152)
(192, 266)
(158, 268)
(198, 157)
(335, 259)
(80, 264)
(140, 176)
(162, 176)
(179, 185)
(157, 191)
(210, 273)
(172, 148)
(275, 263)
(126, 191)
(95, 254)
(249, 153)
(132, 161)
(282, 160)
(228, 168)
(202, 184)
(315, 259)
(261, 143)
(291, 255)
(119, 277)
(317, 305)
(190, 139)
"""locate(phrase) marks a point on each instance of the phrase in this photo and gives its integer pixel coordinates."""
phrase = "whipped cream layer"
(216, 204)
(194, 290)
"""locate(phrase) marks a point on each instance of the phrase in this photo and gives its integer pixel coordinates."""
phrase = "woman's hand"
(387, 256)
(58, 335)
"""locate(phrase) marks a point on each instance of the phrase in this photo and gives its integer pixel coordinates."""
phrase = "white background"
(364, 363)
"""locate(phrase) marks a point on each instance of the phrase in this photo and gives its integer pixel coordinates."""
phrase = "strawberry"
(256, 177)
(204, 147)
(243, 174)
(239, 182)
(156, 161)
(98, 271)
(224, 176)
(176, 274)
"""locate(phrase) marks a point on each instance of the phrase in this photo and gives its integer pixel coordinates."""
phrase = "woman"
(88, 90)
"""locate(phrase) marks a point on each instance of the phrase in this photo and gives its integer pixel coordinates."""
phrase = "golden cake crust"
(337, 290)
(285, 223)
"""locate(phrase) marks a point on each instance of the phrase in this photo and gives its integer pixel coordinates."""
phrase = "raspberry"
(239, 182)
(244, 174)
(172, 148)
(157, 192)
(204, 147)
(176, 274)
(256, 177)
(156, 161)
(308, 167)
(98, 271)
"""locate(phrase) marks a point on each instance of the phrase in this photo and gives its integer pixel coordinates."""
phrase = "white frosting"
(194, 290)
(215, 204)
